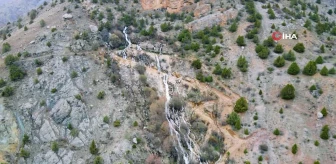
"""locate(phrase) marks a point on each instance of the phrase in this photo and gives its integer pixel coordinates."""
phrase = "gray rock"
(60, 111)
(77, 142)
(67, 16)
(93, 28)
(47, 133)
(51, 157)
(135, 140)
(319, 115)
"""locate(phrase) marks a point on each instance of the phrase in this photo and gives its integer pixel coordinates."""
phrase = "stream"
(128, 43)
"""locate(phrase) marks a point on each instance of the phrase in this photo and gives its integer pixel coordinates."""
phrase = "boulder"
(319, 115)
(67, 16)
(60, 111)
(47, 133)
(93, 28)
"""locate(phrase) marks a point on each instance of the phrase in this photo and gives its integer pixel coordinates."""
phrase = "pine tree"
(279, 61)
(293, 69)
(240, 41)
(324, 112)
(241, 105)
(217, 70)
(278, 49)
(319, 60)
(273, 26)
(324, 71)
(299, 47)
(290, 56)
(332, 71)
(325, 132)
(322, 49)
(226, 73)
(310, 68)
(263, 54)
(242, 64)
(197, 64)
(276, 132)
(294, 149)
(93, 148)
(288, 92)
(234, 120)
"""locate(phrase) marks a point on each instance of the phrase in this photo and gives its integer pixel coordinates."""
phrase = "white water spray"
(128, 43)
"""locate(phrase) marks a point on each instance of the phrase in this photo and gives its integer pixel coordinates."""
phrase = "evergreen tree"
(234, 120)
(310, 68)
(278, 49)
(293, 69)
(241, 105)
(54, 147)
(324, 112)
(319, 60)
(279, 61)
(332, 71)
(322, 49)
(294, 149)
(217, 70)
(324, 71)
(233, 27)
(276, 132)
(242, 64)
(299, 47)
(197, 64)
(263, 54)
(226, 73)
(269, 42)
(240, 41)
(98, 160)
(93, 148)
(273, 26)
(290, 56)
(288, 92)
(325, 132)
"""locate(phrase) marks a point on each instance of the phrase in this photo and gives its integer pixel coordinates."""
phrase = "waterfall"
(175, 120)
(128, 43)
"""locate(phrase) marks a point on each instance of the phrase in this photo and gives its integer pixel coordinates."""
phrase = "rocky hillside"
(170, 81)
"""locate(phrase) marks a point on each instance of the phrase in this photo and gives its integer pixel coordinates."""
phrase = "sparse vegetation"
(325, 132)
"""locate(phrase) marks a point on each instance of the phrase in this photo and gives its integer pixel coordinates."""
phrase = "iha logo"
(278, 36)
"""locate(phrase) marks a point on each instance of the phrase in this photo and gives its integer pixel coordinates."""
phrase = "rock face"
(201, 9)
(218, 18)
(171, 5)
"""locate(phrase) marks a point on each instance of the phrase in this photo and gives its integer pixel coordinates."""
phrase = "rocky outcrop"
(218, 18)
(171, 5)
(202, 9)
(60, 111)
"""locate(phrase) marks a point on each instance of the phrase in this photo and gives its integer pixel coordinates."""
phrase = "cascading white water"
(128, 43)
(175, 121)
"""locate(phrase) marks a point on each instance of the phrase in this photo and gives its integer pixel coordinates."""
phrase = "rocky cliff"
(171, 5)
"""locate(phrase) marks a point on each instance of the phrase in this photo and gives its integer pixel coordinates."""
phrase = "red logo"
(276, 35)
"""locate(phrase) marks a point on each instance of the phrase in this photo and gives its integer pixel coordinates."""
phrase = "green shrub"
(324, 71)
(48, 44)
(101, 95)
(93, 148)
(197, 64)
(316, 162)
(299, 47)
(54, 146)
(10, 60)
(316, 143)
(288, 92)
(310, 69)
(73, 132)
(290, 56)
(74, 74)
(281, 111)
(240, 41)
(276, 132)
(226, 73)
(106, 119)
(269, 42)
(325, 132)
(39, 71)
(293, 69)
(260, 158)
(2, 83)
(42, 23)
(233, 27)
(135, 123)
(279, 61)
(166, 27)
(263, 54)
(319, 60)
(234, 120)
(246, 132)
(25, 139)
(332, 71)
(8, 91)
(294, 149)
(116, 123)
(241, 105)
(242, 64)
(98, 160)
(54, 90)
(24, 153)
(78, 97)
(25, 28)
(16, 73)
(176, 103)
(64, 59)
(278, 49)
(322, 49)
